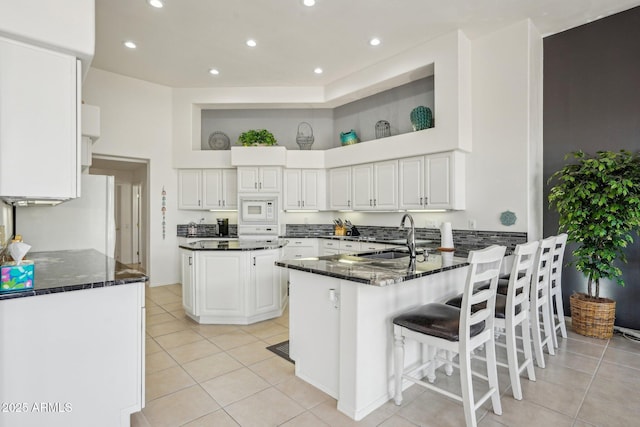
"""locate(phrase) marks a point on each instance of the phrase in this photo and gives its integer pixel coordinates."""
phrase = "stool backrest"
(484, 266)
(542, 271)
(524, 257)
(557, 260)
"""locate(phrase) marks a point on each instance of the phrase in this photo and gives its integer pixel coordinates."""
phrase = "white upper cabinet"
(219, 189)
(205, 189)
(190, 189)
(340, 188)
(434, 181)
(375, 186)
(304, 189)
(39, 123)
(259, 179)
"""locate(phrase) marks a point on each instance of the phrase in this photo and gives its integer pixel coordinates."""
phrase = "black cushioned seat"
(503, 287)
(501, 304)
(438, 320)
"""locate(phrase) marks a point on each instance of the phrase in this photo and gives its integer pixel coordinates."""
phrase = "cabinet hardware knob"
(255, 185)
(298, 203)
(260, 186)
(224, 203)
(348, 203)
(198, 202)
(375, 202)
(370, 202)
(420, 201)
(219, 204)
(190, 261)
(254, 260)
(303, 203)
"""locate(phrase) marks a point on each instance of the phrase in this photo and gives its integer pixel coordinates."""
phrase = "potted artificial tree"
(598, 200)
(256, 137)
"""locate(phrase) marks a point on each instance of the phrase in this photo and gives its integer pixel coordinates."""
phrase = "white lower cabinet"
(434, 181)
(301, 248)
(232, 287)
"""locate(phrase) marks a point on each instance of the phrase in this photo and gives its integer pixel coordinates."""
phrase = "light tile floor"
(222, 375)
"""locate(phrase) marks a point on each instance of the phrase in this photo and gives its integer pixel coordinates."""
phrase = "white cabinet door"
(385, 185)
(340, 188)
(411, 183)
(438, 181)
(369, 246)
(212, 197)
(363, 186)
(221, 283)
(188, 282)
(330, 247)
(190, 189)
(349, 247)
(300, 248)
(230, 188)
(260, 179)
(39, 126)
(269, 179)
(265, 282)
(313, 186)
(292, 189)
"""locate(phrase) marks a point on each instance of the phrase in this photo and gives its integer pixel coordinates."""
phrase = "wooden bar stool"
(455, 330)
(555, 289)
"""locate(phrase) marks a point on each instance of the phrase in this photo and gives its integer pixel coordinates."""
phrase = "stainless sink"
(386, 255)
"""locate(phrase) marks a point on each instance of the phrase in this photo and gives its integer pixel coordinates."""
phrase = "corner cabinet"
(434, 181)
(259, 179)
(304, 189)
(205, 189)
(39, 123)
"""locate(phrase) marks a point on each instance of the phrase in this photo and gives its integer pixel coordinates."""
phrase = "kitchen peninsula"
(232, 281)
(72, 348)
(340, 333)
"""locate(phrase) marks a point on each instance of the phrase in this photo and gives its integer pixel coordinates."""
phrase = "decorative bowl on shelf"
(421, 118)
(219, 141)
(348, 138)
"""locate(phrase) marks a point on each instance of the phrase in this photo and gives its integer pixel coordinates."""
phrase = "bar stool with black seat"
(540, 315)
(512, 310)
(455, 330)
(555, 289)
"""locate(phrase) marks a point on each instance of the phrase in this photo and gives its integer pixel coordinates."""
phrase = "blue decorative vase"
(421, 118)
(348, 138)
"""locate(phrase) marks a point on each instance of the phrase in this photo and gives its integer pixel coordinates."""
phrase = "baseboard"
(632, 332)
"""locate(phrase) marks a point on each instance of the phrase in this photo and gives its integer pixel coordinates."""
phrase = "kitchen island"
(341, 310)
(72, 348)
(232, 281)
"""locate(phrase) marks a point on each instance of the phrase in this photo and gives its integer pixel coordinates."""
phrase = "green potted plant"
(256, 137)
(598, 200)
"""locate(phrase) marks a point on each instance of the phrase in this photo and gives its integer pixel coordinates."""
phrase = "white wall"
(136, 123)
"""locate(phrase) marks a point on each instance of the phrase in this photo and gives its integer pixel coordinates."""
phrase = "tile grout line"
(593, 377)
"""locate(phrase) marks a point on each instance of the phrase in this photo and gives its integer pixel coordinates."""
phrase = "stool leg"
(466, 384)
(448, 368)
(398, 365)
(560, 312)
(552, 321)
(526, 344)
(548, 330)
(512, 361)
(492, 373)
(431, 368)
(536, 335)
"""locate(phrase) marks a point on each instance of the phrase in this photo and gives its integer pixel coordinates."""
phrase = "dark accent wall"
(592, 102)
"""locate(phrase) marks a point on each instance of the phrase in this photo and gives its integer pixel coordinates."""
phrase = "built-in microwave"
(258, 210)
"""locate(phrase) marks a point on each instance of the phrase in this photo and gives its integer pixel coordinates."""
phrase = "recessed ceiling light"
(156, 3)
(251, 43)
(374, 41)
(318, 70)
(214, 71)
(309, 2)
(130, 44)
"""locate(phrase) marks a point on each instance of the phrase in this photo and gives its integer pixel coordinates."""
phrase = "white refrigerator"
(83, 223)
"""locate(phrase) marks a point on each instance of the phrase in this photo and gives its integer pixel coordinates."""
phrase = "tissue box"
(16, 277)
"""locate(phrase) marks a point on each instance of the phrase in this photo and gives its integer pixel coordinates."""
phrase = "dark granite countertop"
(234, 245)
(376, 272)
(72, 270)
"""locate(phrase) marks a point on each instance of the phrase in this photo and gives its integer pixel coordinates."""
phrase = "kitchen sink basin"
(386, 255)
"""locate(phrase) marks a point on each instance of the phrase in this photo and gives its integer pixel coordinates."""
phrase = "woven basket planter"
(592, 318)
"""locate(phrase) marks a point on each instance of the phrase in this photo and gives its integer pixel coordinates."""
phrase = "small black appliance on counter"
(223, 227)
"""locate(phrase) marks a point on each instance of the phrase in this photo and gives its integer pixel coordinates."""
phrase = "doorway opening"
(131, 207)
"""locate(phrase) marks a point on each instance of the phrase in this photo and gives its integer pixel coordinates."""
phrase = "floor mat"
(281, 350)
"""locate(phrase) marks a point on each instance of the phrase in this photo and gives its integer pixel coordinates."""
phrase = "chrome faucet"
(411, 235)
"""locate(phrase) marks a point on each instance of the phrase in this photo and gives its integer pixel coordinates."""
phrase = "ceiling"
(179, 43)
